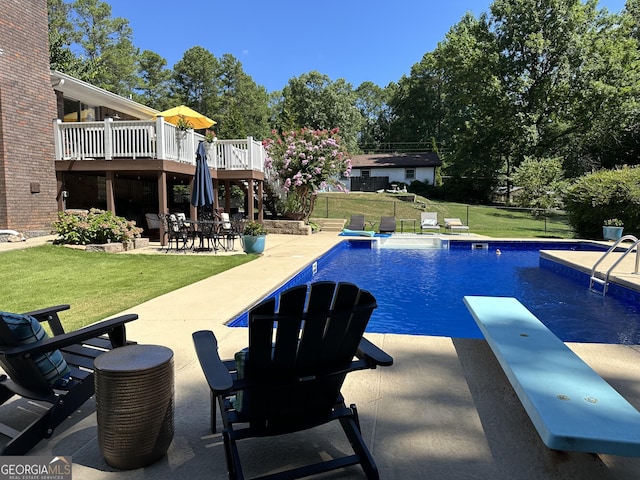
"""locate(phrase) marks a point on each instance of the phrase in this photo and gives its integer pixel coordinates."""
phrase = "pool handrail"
(605, 282)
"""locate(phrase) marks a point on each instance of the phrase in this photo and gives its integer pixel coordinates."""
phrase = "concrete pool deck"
(444, 410)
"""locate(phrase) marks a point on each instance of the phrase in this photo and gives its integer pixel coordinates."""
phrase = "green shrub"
(254, 229)
(418, 187)
(425, 189)
(602, 195)
(613, 222)
(94, 226)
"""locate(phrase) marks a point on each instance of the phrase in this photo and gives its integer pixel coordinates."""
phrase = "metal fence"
(479, 218)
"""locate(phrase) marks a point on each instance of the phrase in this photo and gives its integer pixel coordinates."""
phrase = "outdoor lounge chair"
(387, 225)
(355, 223)
(293, 383)
(429, 221)
(53, 375)
(455, 225)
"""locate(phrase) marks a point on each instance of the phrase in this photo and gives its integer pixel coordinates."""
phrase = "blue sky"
(359, 41)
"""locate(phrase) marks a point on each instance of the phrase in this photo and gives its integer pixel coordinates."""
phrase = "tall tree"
(243, 104)
(106, 44)
(606, 116)
(61, 57)
(196, 82)
(154, 87)
(373, 103)
(313, 100)
(541, 45)
(632, 14)
(417, 108)
(477, 122)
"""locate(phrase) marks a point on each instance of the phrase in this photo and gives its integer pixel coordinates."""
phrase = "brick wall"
(27, 109)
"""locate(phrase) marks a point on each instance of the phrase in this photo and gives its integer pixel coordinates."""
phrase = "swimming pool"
(419, 291)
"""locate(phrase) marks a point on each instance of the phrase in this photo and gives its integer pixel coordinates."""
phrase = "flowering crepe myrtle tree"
(304, 162)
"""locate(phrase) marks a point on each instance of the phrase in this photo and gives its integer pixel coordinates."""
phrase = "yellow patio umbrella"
(197, 120)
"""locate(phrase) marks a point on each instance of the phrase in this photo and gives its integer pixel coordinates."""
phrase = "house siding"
(27, 110)
(424, 174)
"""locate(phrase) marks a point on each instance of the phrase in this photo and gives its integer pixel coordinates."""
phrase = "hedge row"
(603, 195)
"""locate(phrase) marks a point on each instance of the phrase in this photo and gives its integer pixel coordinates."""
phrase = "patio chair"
(429, 221)
(455, 225)
(176, 231)
(153, 224)
(387, 225)
(355, 223)
(53, 375)
(293, 383)
(227, 231)
(209, 226)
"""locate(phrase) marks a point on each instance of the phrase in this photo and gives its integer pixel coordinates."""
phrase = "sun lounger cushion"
(26, 330)
(454, 223)
(357, 233)
(431, 222)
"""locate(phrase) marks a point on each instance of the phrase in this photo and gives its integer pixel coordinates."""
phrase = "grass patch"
(482, 220)
(96, 284)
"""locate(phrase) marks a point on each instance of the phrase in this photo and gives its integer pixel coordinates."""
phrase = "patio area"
(444, 410)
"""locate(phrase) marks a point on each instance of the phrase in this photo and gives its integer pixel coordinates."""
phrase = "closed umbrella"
(197, 120)
(202, 194)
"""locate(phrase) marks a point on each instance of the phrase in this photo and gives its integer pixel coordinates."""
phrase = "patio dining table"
(206, 230)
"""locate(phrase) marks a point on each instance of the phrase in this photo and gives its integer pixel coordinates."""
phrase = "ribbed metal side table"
(134, 404)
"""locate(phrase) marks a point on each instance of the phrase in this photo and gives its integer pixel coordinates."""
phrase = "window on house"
(71, 110)
(88, 113)
(75, 111)
(365, 173)
(410, 173)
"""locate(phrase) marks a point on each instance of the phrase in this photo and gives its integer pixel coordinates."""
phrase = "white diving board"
(570, 405)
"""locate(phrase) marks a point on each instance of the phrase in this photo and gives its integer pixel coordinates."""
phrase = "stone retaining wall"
(116, 247)
(287, 227)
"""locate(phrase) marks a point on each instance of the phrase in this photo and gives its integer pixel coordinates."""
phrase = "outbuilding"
(372, 172)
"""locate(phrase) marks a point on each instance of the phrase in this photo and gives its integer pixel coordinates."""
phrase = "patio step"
(330, 224)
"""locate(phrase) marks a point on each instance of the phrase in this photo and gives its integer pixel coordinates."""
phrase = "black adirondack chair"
(293, 383)
(23, 377)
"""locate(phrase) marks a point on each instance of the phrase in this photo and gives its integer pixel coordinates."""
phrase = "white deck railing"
(135, 139)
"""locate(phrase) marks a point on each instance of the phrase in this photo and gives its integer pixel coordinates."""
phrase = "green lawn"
(96, 284)
(491, 221)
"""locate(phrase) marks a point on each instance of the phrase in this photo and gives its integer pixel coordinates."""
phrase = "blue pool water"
(419, 292)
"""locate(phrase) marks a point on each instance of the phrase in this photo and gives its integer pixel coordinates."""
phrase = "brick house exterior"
(28, 187)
